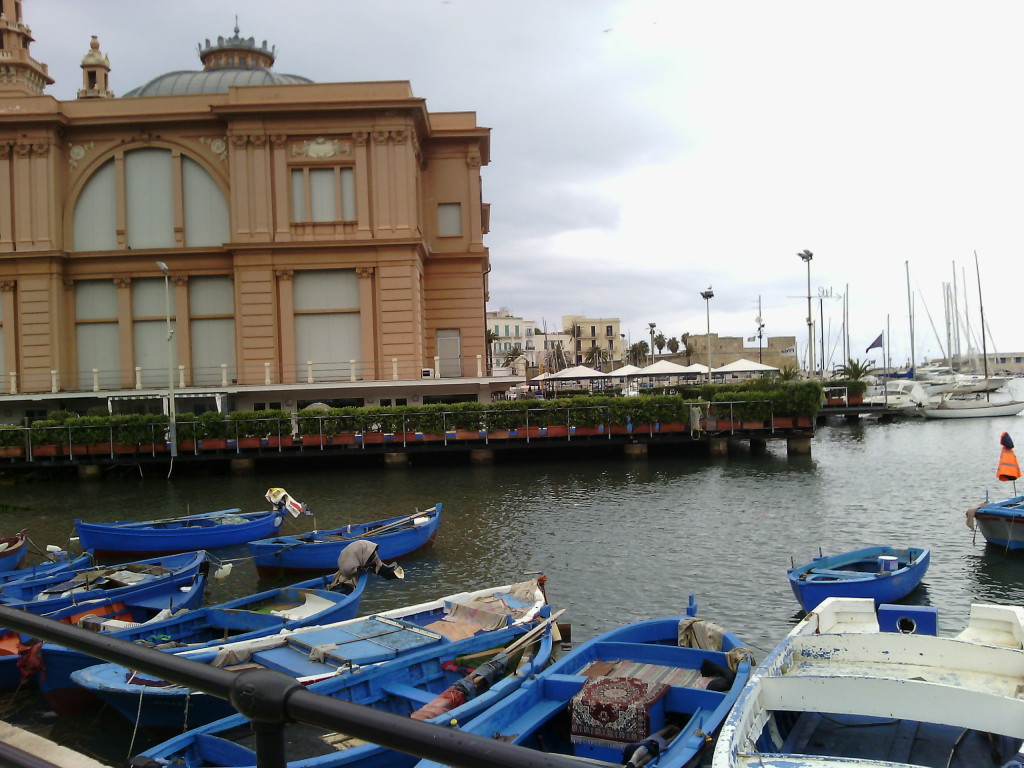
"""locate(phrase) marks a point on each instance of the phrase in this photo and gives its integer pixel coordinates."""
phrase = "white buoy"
(222, 573)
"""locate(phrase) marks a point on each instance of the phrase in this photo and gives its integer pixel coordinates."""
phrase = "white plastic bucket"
(888, 564)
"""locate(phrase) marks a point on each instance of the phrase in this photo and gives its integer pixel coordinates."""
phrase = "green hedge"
(756, 400)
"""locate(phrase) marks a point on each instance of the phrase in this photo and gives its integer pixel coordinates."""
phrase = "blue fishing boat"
(207, 530)
(649, 693)
(885, 574)
(317, 551)
(264, 613)
(21, 656)
(142, 579)
(58, 561)
(12, 551)
(315, 653)
(442, 685)
(1000, 522)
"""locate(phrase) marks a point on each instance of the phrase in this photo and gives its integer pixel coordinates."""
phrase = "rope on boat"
(135, 730)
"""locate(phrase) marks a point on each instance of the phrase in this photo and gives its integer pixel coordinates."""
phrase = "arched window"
(147, 178)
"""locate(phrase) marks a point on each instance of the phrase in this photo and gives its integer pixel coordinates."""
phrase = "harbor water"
(618, 539)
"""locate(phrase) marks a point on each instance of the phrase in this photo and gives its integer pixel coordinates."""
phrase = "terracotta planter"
(372, 438)
(314, 441)
(498, 434)
(152, 447)
(559, 430)
(803, 421)
(98, 449)
(856, 399)
(284, 441)
(467, 434)
(213, 443)
(782, 422)
(348, 438)
(11, 451)
(583, 431)
(673, 426)
(752, 424)
(248, 442)
(835, 401)
(125, 447)
(45, 450)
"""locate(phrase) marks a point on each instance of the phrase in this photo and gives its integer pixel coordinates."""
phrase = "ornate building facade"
(235, 231)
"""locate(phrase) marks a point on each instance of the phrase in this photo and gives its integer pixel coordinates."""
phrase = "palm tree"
(573, 332)
(789, 372)
(638, 353)
(672, 344)
(659, 341)
(489, 338)
(854, 370)
(512, 356)
(688, 349)
(596, 356)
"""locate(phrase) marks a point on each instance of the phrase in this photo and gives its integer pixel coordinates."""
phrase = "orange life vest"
(1008, 468)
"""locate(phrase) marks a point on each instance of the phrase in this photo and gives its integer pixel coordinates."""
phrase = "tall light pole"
(708, 295)
(806, 257)
(652, 327)
(172, 427)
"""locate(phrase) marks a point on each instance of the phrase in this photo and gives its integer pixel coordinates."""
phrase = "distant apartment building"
(511, 337)
(595, 341)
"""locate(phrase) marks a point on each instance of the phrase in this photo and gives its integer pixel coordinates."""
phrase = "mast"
(910, 308)
(981, 312)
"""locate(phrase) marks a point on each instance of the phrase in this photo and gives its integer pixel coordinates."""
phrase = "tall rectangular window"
(449, 219)
(323, 194)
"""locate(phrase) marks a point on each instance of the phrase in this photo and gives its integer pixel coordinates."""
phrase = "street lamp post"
(806, 257)
(652, 326)
(708, 295)
(172, 427)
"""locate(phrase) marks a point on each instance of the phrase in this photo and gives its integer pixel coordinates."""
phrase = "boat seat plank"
(882, 697)
(409, 692)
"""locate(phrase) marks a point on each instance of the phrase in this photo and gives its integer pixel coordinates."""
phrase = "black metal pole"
(271, 698)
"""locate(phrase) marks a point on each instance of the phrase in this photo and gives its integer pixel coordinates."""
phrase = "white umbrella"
(626, 370)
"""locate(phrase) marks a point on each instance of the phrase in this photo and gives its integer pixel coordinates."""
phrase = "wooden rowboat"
(12, 551)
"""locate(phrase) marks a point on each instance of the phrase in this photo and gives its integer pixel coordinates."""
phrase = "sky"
(645, 150)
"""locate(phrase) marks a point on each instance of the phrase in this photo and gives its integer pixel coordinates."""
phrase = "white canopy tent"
(578, 372)
(663, 368)
(626, 370)
(745, 366)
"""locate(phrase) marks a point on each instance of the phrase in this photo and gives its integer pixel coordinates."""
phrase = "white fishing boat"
(854, 688)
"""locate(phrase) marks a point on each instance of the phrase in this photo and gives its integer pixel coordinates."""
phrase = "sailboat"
(973, 405)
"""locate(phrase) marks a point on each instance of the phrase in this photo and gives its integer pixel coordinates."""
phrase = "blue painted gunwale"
(525, 714)
(239, 619)
(206, 530)
(856, 574)
(317, 551)
(401, 687)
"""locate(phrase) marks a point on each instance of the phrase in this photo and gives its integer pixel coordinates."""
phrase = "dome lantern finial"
(236, 51)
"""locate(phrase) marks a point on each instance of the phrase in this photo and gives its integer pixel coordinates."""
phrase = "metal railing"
(270, 699)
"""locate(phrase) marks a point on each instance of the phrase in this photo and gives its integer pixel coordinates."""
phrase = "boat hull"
(318, 551)
(13, 555)
(857, 574)
(973, 410)
(209, 530)
(1002, 522)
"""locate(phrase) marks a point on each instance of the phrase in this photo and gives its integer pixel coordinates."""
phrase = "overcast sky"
(643, 150)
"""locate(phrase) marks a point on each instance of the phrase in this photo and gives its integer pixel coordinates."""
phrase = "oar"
(400, 521)
(456, 693)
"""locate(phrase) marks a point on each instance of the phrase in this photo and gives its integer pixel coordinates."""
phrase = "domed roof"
(228, 62)
(212, 81)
